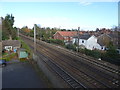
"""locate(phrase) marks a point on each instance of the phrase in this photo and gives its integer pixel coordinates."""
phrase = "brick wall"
(58, 36)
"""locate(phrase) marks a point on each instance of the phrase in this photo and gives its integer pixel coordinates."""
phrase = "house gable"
(67, 36)
(104, 39)
(90, 42)
(57, 35)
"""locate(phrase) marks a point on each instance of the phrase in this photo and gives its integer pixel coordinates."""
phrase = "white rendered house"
(88, 41)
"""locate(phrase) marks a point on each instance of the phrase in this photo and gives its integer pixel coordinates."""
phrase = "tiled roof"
(68, 33)
(84, 36)
(14, 43)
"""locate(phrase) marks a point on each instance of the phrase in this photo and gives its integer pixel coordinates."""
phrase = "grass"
(3, 54)
(25, 46)
(9, 56)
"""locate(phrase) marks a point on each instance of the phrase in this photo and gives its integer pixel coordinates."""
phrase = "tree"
(112, 52)
(9, 22)
(7, 27)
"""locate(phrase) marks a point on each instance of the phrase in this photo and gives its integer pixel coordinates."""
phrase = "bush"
(93, 53)
(71, 46)
(112, 52)
(55, 41)
(96, 54)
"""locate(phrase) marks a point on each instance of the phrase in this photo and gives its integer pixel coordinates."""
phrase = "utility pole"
(18, 32)
(34, 39)
(78, 38)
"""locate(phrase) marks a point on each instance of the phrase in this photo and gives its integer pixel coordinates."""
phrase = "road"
(21, 75)
(88, 72)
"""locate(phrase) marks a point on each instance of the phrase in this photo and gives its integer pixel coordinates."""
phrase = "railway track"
(97, 63)
(84, 75)
(74, 65)
(66, 76)
(102, 64)
(62, 73)
(93, 61)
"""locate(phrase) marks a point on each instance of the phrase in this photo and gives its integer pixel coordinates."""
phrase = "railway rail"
(74, 65)
(93, 61)
(62, 73)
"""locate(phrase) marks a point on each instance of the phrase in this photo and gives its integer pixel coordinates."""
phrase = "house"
(87, 41)
(105, 39)
(66, 36)
(11, 45)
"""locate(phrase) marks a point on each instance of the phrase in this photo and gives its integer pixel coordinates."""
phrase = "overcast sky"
(68, 15)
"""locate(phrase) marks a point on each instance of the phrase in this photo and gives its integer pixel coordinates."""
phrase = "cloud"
(43, 21)
(85, 3)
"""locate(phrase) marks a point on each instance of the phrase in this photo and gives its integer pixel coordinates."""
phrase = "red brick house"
(65, 35)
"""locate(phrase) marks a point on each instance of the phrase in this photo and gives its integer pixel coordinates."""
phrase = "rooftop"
(84, 36)
(13, 43)
(68, 33)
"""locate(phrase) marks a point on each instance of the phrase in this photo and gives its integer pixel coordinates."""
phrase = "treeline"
(8, 31)
(41, 33)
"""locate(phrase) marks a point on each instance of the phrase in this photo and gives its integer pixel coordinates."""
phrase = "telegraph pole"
(78, 38)
(34, 39)
(18, 32)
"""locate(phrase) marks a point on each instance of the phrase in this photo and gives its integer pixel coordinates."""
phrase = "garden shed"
(22, 53)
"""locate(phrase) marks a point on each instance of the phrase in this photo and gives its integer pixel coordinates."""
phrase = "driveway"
(21, 75)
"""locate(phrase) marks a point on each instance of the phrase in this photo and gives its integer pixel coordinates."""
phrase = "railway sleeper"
(76, 85)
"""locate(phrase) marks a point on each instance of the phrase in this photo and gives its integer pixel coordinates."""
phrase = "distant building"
(66, 36)
(87, 41)
(11, 45)
(105, 39)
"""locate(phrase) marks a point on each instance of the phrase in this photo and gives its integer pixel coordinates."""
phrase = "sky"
(64, 15)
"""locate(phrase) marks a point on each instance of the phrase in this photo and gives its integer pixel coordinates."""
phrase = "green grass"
(4, 54)
(9, 57)
(25, 46)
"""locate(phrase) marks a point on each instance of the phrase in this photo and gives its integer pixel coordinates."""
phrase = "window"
(82, 41)
(102, 48)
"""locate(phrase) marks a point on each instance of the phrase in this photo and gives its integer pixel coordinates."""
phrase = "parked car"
(3, 63)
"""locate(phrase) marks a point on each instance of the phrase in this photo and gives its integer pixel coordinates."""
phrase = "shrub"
(71, 46)
(55, 41)
(93, 53)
